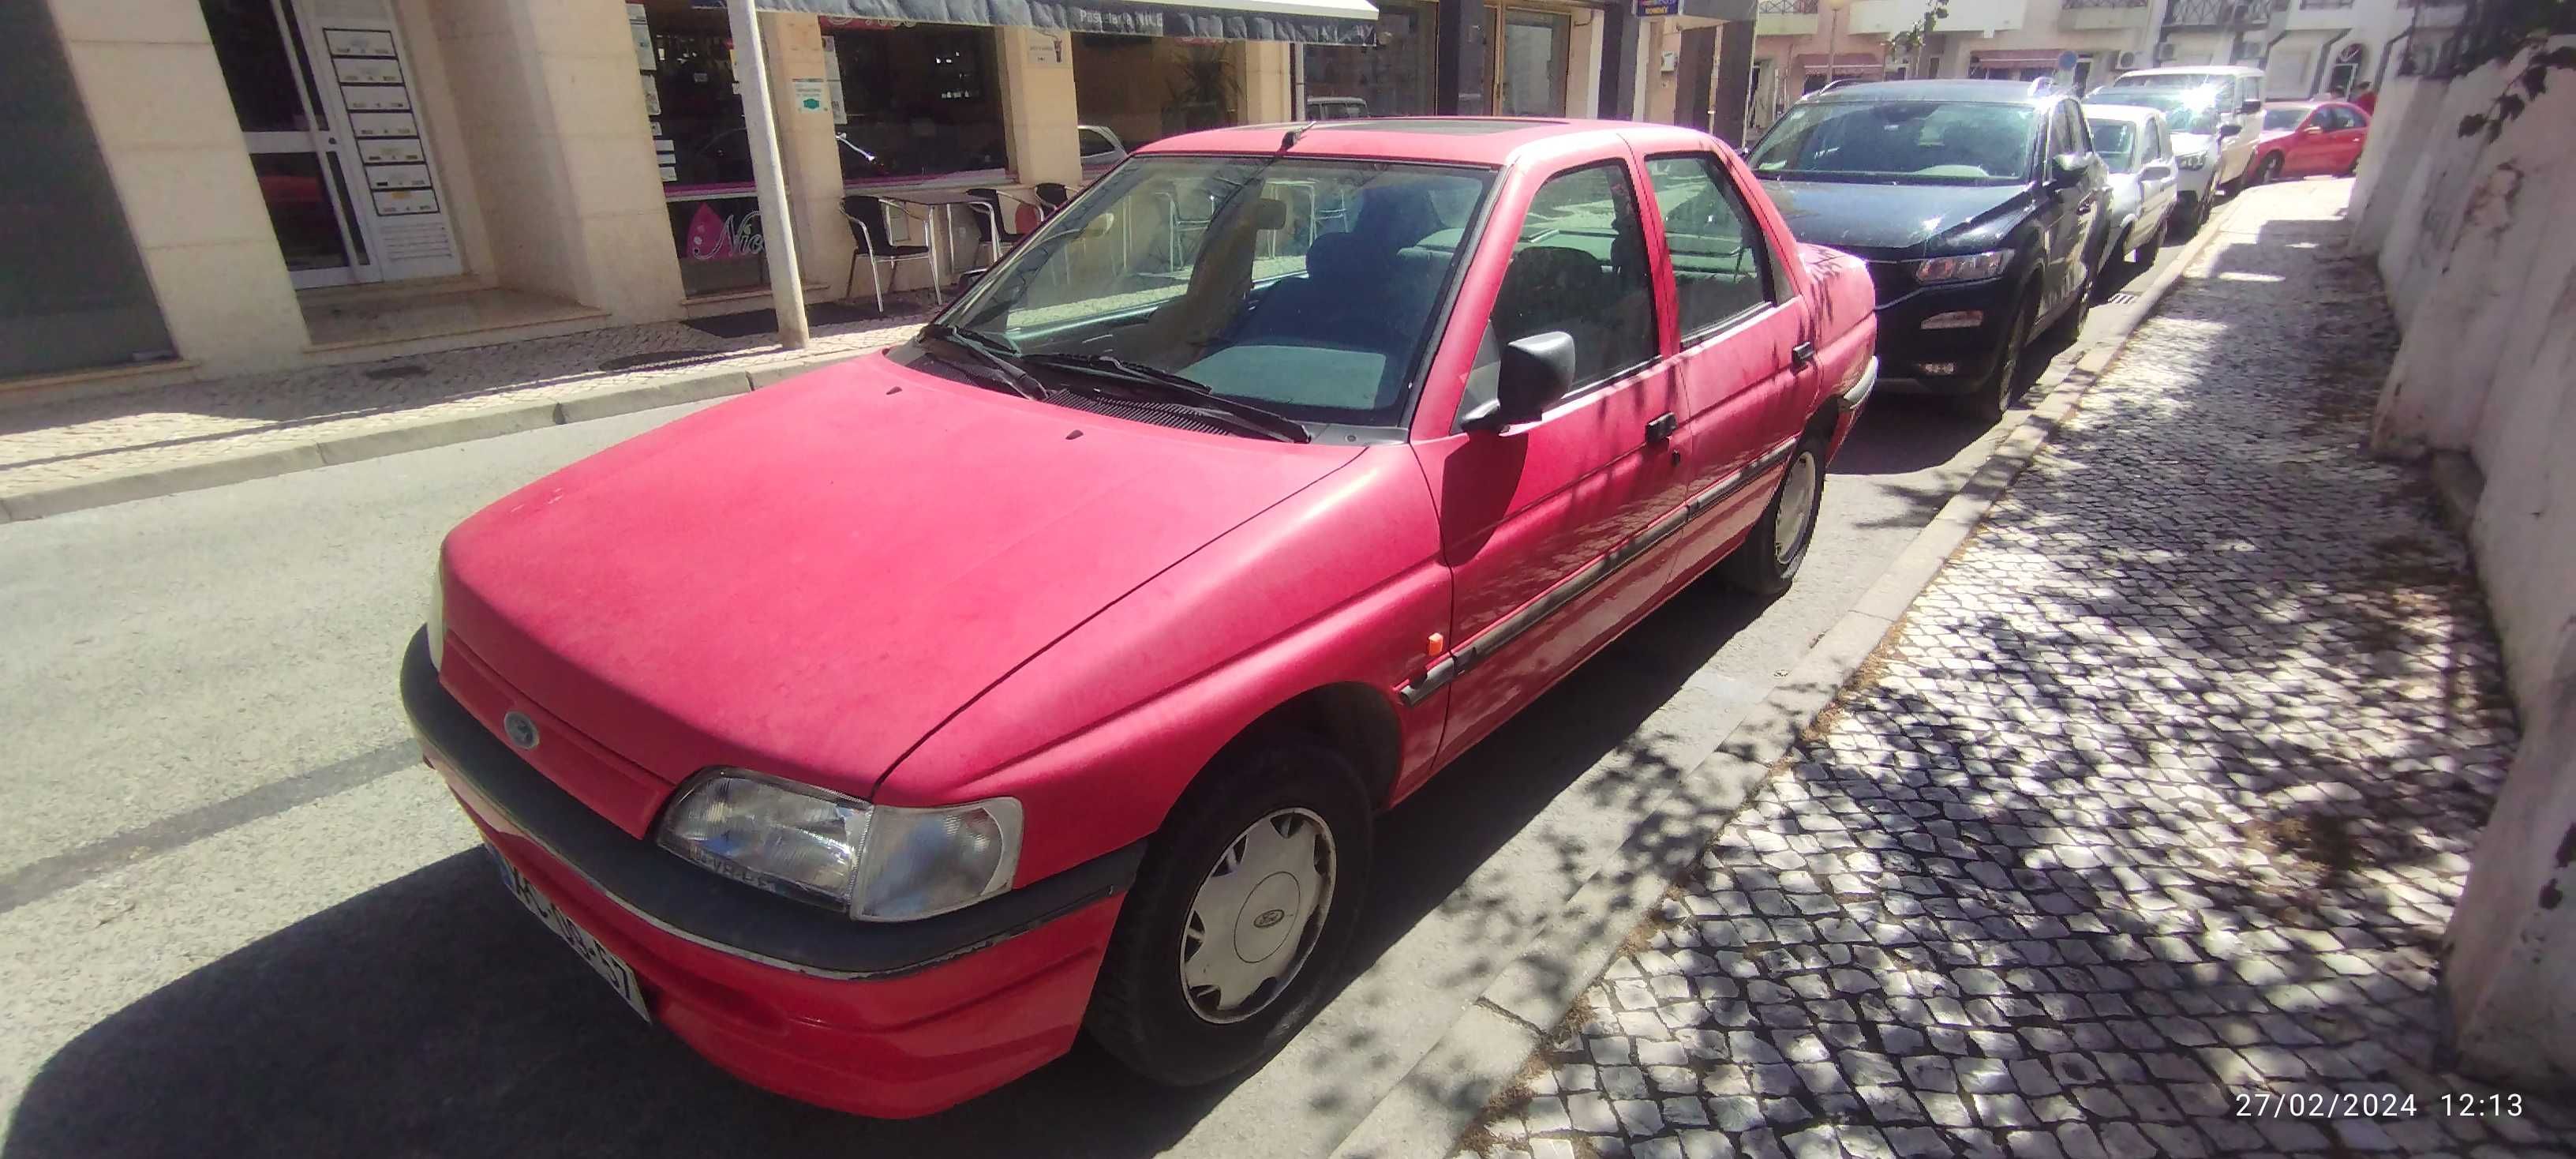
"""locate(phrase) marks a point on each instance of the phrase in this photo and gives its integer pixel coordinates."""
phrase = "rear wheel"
(2146, 252)
(1241, 912)
(1767, 561)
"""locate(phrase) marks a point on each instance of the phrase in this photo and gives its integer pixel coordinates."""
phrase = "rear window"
(1953, 142)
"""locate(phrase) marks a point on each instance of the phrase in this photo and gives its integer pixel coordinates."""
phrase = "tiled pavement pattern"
(56, 443)
(2163, 796)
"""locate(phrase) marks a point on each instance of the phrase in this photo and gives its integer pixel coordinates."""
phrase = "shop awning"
(1311, 21)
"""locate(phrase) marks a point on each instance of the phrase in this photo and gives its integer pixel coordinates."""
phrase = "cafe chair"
(990, 219)
(869, 219)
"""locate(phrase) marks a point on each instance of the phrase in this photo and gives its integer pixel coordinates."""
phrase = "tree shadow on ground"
(2167, 790)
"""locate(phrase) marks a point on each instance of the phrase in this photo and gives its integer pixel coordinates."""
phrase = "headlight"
(872, 862)
(1964, 267)
(2193, 160)
(436, 621)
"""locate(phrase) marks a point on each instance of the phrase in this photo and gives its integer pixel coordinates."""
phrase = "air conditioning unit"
(2125, 61)
(2165, 52)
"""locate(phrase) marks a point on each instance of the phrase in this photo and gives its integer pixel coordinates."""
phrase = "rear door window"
(1718, 252)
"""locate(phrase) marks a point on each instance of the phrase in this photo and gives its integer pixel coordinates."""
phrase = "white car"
(1101, 150)
(2207, 160)
(2138, 151)
(2236, 98)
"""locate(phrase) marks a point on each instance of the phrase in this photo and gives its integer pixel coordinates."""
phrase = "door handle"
(1660, 428)
(1802, 354)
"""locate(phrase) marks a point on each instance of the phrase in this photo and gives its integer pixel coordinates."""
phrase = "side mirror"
(1536, 371)
(2068, 168)
(2311, 130)
(2230, 130)
(1270, 213)
(2251, 106)
(971, 277)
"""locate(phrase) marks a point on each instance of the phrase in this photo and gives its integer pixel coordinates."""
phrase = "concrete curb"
(1427, 1109)
(437, 432)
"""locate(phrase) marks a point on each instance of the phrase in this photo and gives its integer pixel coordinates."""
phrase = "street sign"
(2065, 61)
(1659, 7)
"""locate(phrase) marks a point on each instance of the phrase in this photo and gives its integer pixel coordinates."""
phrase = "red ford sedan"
(2306, 138)
(878, 732)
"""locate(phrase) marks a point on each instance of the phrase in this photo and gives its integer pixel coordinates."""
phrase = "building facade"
(216, 187)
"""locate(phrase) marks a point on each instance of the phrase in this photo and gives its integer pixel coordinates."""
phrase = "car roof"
(1984, 91)
(2134, 114)
(1454, 140)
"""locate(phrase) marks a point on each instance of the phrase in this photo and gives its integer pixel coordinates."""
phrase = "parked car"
(877, 732)
(2201, 137)
(1977, 203)
(1101, 150)
(2138, 153)
(2306, 138)
(2235, 98)
(1336, 108)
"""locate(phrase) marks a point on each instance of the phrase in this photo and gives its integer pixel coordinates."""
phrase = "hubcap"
(1797, 506)
(1256, 916)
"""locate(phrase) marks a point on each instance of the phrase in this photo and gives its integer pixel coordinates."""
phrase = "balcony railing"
(2218, 14)
(2325, 4)
(2113, 3)
(1784, 8)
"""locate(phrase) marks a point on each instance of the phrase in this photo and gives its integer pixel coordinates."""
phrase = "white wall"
(2470, 237)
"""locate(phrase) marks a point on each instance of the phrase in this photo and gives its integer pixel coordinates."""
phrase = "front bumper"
(890, 1020)
(1908, 354)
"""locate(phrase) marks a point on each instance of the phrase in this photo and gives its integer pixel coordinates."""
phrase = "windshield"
(2283, 117)
(1306, 287)
(1900, 141)
(2193, 111)
(2117, 142)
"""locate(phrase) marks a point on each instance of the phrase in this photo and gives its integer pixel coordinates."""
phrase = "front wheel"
(1993, 397)
(1767, 561)
(1242, 911)
(2270, 172)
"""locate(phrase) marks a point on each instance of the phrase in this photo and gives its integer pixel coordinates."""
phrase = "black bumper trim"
(690, 903)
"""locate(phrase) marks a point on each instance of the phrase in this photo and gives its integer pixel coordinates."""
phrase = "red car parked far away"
(2306, 138)
(879, 731)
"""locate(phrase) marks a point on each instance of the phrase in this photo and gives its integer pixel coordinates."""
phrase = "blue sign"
(1659, 7)
(2065, 61)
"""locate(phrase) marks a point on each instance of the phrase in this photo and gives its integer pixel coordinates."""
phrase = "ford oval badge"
(1268, 918)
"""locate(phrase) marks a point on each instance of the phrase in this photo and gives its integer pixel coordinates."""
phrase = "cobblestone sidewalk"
(77, 440)
(2157, 805)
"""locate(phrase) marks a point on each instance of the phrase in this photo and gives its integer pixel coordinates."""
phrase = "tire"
(1766, 563)
(1993, 396)
(2071, 322)
(2145, 256)
(2271, 170)
(1144, 1010)
(2187, 220)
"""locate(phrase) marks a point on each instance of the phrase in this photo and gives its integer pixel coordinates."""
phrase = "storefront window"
(914, 100)
(1145, 88)
(1526, 52)
(1389, 78)
(705, 152)
(1531, 82)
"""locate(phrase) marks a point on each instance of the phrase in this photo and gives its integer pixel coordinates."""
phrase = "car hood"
(810, 579)
(1882, 220)
(2186, 144)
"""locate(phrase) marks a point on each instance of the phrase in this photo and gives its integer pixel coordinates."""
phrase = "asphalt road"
(237, 917)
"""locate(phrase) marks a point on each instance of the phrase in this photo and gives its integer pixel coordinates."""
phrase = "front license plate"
(611, 968)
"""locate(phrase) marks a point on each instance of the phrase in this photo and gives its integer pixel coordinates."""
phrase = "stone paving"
(2143, 837)
(71, 441)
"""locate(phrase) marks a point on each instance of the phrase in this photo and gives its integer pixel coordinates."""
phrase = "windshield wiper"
(1193, 394)
(997, 353)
